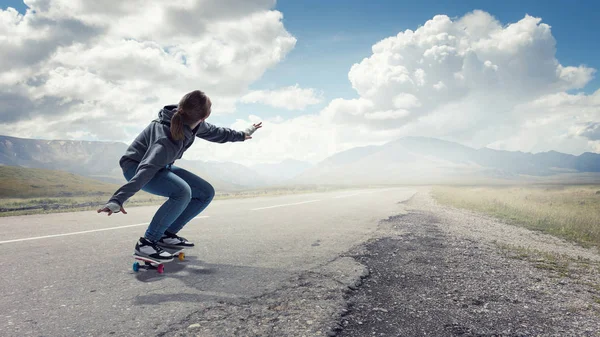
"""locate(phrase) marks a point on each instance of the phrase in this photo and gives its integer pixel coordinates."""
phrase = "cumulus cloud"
(116, 63)
(473, 59)
(86, 70)
(291, 98)
(472, 80)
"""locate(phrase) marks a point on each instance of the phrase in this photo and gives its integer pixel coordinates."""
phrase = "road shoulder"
(432, 270)
(445, 272)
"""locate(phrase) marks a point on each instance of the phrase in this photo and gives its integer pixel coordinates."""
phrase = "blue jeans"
(188, 196)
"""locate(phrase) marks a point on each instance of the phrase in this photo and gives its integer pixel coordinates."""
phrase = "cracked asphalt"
(77, 278)
(430, 275)
(431, 271)
(380, 262)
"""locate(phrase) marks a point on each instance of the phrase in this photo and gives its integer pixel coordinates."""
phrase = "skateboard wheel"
(181, 256)
(136, 267)
(161, 268)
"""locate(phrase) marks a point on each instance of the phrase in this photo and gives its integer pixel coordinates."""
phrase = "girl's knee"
(184, 193)
(205, 192)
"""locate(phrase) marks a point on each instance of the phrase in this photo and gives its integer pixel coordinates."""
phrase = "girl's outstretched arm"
(220, 134)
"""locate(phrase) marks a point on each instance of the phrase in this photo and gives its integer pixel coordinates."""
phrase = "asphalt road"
(70, 274)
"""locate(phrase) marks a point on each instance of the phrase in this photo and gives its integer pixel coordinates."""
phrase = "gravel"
(438, 271)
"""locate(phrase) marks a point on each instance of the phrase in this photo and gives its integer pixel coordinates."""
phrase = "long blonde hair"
(192, 107)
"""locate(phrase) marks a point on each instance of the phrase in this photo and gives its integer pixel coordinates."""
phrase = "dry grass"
(53, 191)
(570, 212)
(68, 204)
(85, 203)
(21, 182)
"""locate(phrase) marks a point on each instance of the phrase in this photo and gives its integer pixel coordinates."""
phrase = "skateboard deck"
(150, 263)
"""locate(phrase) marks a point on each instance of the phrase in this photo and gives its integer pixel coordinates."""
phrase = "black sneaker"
(150, 249)
(170, 240)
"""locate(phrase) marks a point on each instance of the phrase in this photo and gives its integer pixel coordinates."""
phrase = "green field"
(33, 191)
(20, 182)
(26, 191)
(567, 211)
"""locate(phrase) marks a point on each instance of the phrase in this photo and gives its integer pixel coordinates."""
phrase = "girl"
(148, 165)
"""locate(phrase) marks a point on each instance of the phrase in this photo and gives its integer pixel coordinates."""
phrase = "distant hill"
(86, 158)
(429, 160)
(99, 160)
(20, 182)
(407, 160)
(93, 159)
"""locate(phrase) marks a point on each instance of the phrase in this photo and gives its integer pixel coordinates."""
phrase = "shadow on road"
(208, 282)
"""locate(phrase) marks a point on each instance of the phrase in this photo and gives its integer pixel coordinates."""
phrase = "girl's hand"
(112, 208)
(251, 130)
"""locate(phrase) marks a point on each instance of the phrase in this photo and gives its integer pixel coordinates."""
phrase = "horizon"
(313, 164)
(512, 76)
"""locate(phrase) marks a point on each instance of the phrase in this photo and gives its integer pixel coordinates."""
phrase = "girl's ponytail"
(193, 107)
(177, 126)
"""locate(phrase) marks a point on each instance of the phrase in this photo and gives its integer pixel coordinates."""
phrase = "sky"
(322, 76)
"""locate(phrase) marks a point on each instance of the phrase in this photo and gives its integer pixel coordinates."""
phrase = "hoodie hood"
(166, 113)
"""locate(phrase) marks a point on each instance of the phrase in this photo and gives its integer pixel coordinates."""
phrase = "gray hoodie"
(154, 149)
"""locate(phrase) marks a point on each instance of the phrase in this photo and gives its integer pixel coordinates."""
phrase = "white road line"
(347, 196)
(83, 232)
(74, 233)
(297, 203)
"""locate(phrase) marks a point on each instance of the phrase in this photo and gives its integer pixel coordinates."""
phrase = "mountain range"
(423, 160)
(404, 161)
(100, 160)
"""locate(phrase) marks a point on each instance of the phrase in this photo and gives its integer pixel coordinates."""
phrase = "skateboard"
(154, 264)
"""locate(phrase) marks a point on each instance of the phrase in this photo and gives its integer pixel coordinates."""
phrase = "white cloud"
(406, 101)
(473, 58)
(290, 98)
(387, 115)
(309, 138)
(472, 80)
(116, 63)
(561, 122)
